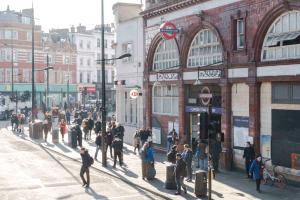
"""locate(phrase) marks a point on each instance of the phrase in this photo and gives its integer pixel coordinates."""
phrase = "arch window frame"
(205, 49)
(285, 28)
(166, 56)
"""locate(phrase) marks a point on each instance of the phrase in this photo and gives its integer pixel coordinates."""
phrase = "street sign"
(134, 93)
(168, 30)
(205, 96)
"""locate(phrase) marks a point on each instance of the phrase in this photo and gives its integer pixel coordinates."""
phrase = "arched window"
(282, 40)
(166, 55)
(205, 49)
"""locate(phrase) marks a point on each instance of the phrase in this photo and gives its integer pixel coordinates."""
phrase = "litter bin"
(201, 184)
(170, 178)
(73, 137)
(36, 130)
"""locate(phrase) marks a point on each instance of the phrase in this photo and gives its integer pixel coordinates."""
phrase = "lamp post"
(47, 86)
(33, 105)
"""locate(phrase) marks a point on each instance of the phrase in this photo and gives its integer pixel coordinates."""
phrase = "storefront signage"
(204, 74)
(90, 89)
(167, 76)
(134, 94)
(198, 109)
(168, 30)
(205, 96)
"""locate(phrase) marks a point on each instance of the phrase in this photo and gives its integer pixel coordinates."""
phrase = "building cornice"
(169, 7)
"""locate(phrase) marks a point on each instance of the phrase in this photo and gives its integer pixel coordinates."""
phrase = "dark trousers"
(110, 149)
(189, 170)
(68, 120)
(137, 147)
(258, 184)
(215, 163)
(119, 155)
(97, 150)
(180, 183)
(84, 170)
(247, 166)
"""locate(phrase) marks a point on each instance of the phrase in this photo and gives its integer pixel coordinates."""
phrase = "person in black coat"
(90, 126)
(85, 167)
(172, 154)
(98, 144)
(78, 134)
(118, 149)
(249, 156)
(98, 126)
(180, 173)
(144, 136)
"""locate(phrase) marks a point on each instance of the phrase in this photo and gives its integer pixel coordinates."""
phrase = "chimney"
(72, 29)
(81, 29)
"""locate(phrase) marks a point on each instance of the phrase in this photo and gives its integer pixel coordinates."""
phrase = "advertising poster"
(265, 141)
(156, 135)
(241, 132)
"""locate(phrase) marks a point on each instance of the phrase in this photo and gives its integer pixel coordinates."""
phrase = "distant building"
(129, 34)
(16, 40)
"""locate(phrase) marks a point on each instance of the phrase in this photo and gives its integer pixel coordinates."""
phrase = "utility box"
(170, 178)
(201, 184)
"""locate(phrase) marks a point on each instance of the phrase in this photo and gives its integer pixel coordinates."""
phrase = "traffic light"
(203, 125)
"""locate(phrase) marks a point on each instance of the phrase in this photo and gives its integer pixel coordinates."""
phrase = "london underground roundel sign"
(134, 94)
(168, 30)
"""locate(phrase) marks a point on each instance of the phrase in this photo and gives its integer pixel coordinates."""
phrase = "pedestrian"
(215, 149)
(98, 144)
(109, 137)
(249, 156)
(203, 155)
(118, 149)
(175, 137)
(87, 161)
(144, 136)
(143, 159)
(180, 173)
(137, 141)
(256, 169)
(46, 126)
(150, 162)
(149, 134)
(95, 115)
(172, 154)
(170, 141)
(63, 128)
(187, 157)
(78, 134)
(98, 126)
(85, 128)
(22, 121)
(90, 125)
(68, 117)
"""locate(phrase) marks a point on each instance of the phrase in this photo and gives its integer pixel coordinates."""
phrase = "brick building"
(16, 40)
(246, 54)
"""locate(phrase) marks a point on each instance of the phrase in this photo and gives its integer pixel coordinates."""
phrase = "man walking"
(117, 145)
(86, 163)
(180, 173)
(249, 156)
(187, 156)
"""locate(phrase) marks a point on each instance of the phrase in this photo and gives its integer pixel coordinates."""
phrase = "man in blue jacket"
(187, 156)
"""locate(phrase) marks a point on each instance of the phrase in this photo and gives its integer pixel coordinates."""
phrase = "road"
(30, 172)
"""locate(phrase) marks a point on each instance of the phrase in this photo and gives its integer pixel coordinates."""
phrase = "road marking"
(121, 197)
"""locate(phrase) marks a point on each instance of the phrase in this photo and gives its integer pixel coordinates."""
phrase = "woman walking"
(137, 141)
(63, 128)
(256, 170)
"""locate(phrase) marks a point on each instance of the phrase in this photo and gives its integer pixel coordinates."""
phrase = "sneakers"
(185, 190)
(177, 193)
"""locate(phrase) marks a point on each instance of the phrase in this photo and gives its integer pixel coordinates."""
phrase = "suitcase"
(151, 172)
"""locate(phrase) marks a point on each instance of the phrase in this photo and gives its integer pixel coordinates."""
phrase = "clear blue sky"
(64, 13)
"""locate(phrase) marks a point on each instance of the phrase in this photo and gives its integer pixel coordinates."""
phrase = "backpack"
(91, 161)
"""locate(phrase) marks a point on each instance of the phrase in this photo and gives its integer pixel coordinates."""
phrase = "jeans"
(180, 183)
(203, 164)
(87, 171)
(189, 170)
(169, 146)
(97, 150)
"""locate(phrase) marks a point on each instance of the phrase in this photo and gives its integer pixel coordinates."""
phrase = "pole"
(104, 155)
(32, 73)
(17, 98)
(209, 153)
(12, 65)
(47, 94)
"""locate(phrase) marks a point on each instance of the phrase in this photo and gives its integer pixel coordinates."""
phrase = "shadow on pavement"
(90, 191)
(62, 147)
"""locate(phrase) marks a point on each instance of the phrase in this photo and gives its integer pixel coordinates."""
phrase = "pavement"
(31, 172)
(227, 185)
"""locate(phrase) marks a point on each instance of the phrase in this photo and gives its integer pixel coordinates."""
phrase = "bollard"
(201, 184)
(36, 130)
(170, 178)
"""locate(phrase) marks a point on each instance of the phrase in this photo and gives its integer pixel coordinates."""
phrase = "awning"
(274, 39)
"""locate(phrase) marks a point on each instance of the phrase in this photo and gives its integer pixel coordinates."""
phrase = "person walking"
(63, 128)
(203, 157)
(143, 159)
(150, 162)
(98, 126)
(68, 117)
(172, 154)
(187, 157)
(85, 127)
(86, 163)
(137, 141)
(91, 126)
(249, 156)
(180, 173)
(46, 126)
(215, 149)
(118, 149)
(170, 141)
(144, 136)
(98, 144)
(109, 141)
(256, 170)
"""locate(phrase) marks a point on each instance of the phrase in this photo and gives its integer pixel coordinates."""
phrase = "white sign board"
(241, 131)
(156, 135)
(167, 76)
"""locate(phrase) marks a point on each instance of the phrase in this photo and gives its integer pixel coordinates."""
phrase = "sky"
(65, 13)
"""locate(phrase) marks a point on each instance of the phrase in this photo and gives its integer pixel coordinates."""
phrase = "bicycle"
(272, 177)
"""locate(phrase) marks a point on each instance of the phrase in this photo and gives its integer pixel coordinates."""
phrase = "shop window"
(166, 56)
(286, 93)
(283, 38)
(165, 100)
(205, 49)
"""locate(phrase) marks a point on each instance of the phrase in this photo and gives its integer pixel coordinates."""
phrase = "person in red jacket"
(63, 128)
